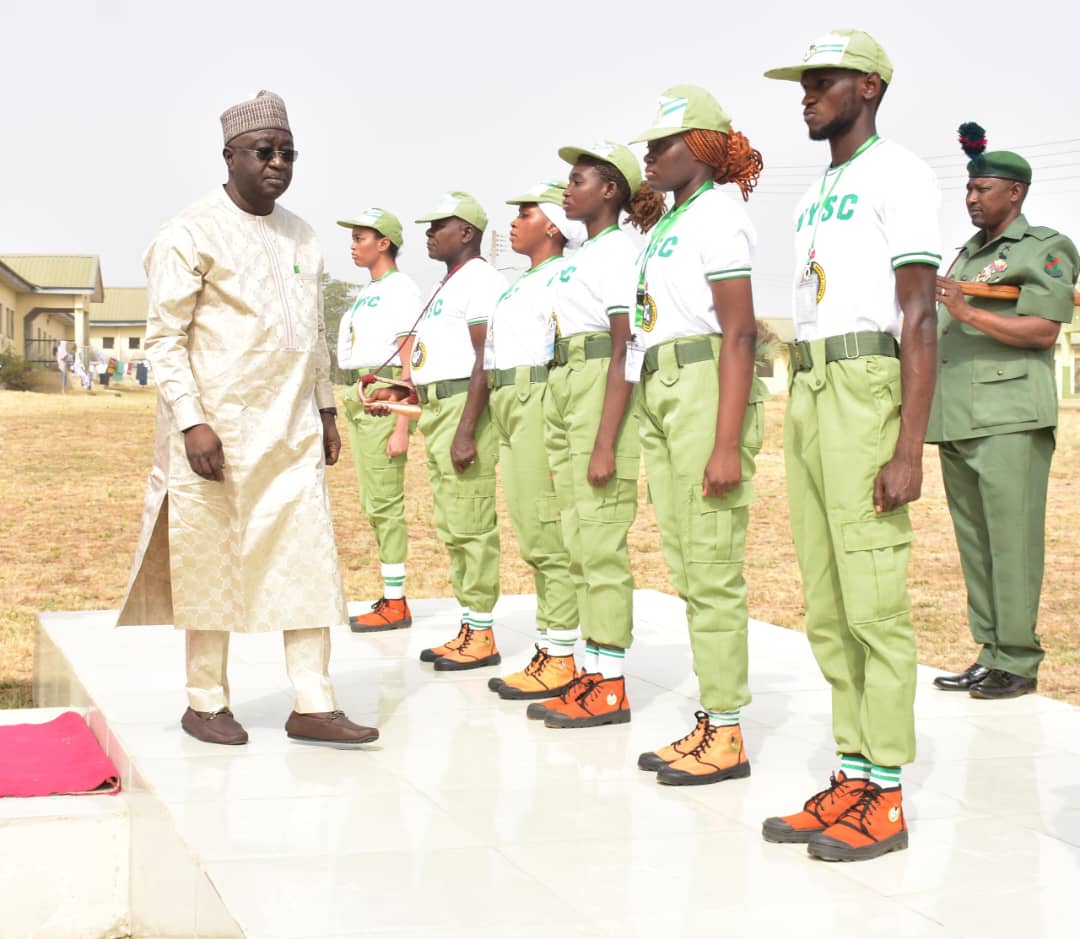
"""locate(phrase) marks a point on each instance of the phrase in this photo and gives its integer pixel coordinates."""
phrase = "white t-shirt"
(521, 327)
(443, 348)
(598, 282)
(382, 313)
(876, 213)
(711, 240)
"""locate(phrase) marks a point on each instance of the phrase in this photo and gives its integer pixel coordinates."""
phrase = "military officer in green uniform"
(994, 414)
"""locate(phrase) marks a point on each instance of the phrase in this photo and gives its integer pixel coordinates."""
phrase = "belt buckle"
(847, 352)
(802, 361)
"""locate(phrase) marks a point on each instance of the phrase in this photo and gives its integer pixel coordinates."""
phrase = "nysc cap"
(608, 152)
(385, 223)
(458, 205)
(541, 192)
(996, 164)
(841, 48)
(682, 108)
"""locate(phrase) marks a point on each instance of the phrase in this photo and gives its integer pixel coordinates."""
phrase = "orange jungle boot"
(657, 759)
(581, 684)
(544, 677)
(820, 811)
(385, 615)
(476, 650)
(437, 652)
(720, 755)
(873, 826)
(604, 702)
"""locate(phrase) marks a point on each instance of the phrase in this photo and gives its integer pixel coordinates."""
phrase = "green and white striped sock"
(611, 661)
(592, 657)
(723, 718)
(855, 766)
(393, 577)
(561, 642)
(888, 777)
(480, 620)
(542, 639)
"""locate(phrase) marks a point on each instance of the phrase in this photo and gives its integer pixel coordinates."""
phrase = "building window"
(107, 342)
(133, 342)
(11, 322)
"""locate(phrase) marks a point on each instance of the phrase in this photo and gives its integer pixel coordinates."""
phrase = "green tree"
(338, 296)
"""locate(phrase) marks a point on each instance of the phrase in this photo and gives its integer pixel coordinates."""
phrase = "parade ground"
(551, 828)
(73, 472)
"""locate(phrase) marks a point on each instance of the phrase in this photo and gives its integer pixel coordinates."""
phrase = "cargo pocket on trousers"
(617, 501)
(874, 566)
(472, 510)
(547, 510)
(717, 529)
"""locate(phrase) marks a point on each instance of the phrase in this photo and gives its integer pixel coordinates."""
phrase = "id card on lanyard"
(810, 287)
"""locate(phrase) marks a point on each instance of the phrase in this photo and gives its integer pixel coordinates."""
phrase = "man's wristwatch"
(331, 411)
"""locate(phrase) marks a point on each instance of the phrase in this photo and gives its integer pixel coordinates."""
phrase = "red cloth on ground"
(60, 757)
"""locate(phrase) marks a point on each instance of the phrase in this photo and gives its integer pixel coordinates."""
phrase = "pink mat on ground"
(60, 757)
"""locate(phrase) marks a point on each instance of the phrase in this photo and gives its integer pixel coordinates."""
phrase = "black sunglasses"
(266, 154)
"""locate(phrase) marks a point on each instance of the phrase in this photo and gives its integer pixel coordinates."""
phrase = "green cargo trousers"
(464, 503)
(840, 428)
(996, 487)
(517, 410)
(703, 538)
(380, 479)
(595, 521)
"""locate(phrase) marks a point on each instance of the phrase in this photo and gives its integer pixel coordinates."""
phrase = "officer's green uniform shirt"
(711, 241)
(383, 312)
(857, 225)
(986, 387)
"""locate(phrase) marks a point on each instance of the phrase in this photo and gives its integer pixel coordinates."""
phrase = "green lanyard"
(823, 195)
(662, 228)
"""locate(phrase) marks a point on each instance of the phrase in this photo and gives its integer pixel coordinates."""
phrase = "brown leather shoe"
(330, 728)
(214, 727)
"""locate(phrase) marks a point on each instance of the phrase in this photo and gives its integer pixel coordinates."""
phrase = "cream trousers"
(307, 660)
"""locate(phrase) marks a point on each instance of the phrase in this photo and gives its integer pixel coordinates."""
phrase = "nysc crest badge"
(419, 355)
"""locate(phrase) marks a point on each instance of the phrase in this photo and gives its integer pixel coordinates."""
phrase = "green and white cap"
(682, 108)
(385, 223)
(841, 48)
(461, 205)
(542, 192)
(609, 152)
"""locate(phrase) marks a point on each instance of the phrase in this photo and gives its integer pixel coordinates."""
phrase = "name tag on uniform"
(806, 294)
(635, 360)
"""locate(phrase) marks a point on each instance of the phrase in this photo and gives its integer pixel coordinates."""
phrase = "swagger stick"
(997, 291)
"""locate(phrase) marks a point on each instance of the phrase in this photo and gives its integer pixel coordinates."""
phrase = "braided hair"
(730, 155)
(644, 208)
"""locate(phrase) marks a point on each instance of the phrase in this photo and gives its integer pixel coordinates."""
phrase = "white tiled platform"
(466, 819)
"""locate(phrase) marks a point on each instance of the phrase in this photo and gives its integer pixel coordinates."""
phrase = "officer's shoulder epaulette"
(1042, 232)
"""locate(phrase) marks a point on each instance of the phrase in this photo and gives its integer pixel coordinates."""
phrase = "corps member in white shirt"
(592, 438)
(521, 346)
(374, 334)
(701, 409)
(866, 242)
(462, 444)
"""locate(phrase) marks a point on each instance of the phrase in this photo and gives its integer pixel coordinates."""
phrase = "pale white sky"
(109, 123)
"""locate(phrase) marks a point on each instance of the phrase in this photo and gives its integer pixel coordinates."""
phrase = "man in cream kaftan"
(236, 533)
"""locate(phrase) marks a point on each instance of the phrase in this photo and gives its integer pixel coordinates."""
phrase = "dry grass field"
(73, 469)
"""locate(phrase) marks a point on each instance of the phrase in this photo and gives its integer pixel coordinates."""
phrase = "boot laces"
(379, 604)
(711, 731)
(536, 666)
(578, 688)
(860, 815)
(701, 716)
(817, 800)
